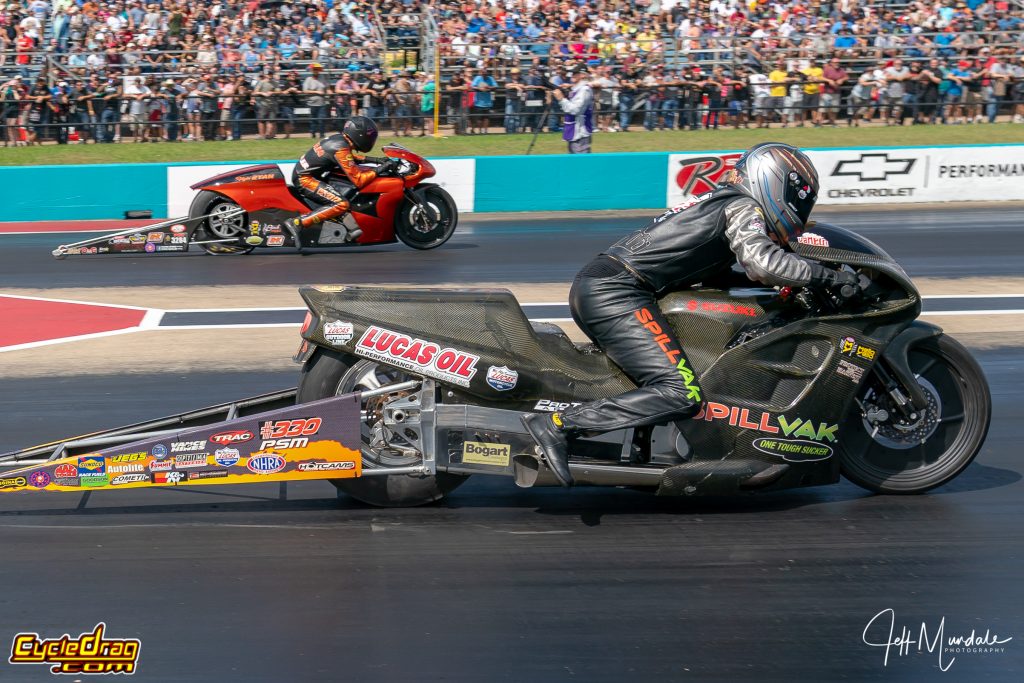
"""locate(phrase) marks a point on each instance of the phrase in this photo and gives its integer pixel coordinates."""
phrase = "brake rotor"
(903, 436)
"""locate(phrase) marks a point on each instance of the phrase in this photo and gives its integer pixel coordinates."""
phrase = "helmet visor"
(800, 196)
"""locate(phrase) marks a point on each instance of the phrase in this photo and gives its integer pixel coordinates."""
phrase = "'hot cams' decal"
(418, 355)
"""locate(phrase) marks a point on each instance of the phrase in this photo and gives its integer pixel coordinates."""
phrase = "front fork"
(894, 371)
(424, 207)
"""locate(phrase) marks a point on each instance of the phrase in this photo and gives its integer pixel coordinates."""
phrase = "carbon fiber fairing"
(777, 382)
(507, 357)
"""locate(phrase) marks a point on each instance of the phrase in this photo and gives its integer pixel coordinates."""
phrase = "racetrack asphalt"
(939, 242)
(257, 583)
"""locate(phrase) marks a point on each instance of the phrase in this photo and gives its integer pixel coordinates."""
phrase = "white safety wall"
(878, 175)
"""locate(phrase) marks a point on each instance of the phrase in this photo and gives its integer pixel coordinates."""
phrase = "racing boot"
(294, 228)
(550, 434)
(330, 213)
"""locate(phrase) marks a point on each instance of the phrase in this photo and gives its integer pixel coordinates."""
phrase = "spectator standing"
(344, 99)
(110, 118)
(739, 98)
(172, 96)
(972, 98)
(578, 107)
(779, 78)
(895, 91)
(834, 76)
(10, 102)
(928, 95)
(90, 108)
(208, 107)
(137, 94)
(912, 87)
(226, 88)
(60, 108)
(514, 92)
(762, 94)
(999, 75)
(483, 100)
(1017, 91)
(38, 111)
(264, 93)
(376, 98)
(290, 99)
(428, 88)
(712, 88)
(607, 86)
(240, 106)
(193, 110)
(861, 96)
(458, 95)
(813, 75)
(402, 93)
(315, 89)
(533, 104)
(952, 85)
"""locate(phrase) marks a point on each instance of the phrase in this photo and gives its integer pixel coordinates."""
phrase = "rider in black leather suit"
(749, 218)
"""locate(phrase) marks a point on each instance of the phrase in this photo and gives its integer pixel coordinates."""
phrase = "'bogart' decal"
(417, 355)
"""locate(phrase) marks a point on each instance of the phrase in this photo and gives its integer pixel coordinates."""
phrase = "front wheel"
(414, 226)
(329, 373)
(887, 453)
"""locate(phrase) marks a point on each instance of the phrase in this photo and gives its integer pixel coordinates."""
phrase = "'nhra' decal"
(418, 355)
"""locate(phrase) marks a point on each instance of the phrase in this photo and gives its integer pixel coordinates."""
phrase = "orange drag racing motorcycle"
(238, 211)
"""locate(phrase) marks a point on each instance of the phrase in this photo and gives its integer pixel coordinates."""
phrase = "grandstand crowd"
(173, 70)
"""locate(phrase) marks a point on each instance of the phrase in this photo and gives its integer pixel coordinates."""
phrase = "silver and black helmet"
(783, 181)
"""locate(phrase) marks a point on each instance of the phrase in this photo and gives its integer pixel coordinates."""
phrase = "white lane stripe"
(64, 340)
(73, 301)
(1012, 311)
(235, 310)
(239, 326)
(973, 296)
(152, 319)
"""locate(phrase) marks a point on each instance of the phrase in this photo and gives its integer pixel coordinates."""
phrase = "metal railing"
(167, 118)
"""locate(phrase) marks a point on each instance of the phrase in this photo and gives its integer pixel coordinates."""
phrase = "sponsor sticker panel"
(295, 443)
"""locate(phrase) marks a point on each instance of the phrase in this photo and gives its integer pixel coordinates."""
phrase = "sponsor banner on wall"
(877, 176)
(457, 176)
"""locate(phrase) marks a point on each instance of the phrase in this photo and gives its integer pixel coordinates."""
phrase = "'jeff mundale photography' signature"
(937, 644)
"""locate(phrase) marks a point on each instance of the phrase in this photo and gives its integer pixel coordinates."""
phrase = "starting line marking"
(154, 317)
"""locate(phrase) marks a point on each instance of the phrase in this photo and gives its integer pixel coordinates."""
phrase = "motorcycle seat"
(555, 335)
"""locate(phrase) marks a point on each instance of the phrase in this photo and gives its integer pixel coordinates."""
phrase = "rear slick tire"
(956, 427)
(207, 203)
(407, 225)
(329, 373)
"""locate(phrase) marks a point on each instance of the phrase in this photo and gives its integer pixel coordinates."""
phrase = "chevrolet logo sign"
(875, 166)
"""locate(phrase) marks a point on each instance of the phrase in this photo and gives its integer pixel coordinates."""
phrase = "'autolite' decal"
(419, 356)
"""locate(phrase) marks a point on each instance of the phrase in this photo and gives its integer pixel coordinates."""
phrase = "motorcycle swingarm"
(479, 440)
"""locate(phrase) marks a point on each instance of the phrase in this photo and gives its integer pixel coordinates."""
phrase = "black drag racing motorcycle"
(800, 387)
(406, 393)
